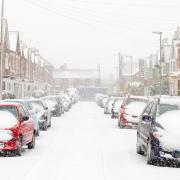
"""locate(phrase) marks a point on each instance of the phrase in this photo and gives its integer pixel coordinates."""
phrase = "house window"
(4, 86)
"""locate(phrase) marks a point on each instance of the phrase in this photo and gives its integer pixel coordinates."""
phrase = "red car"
(16, 129)
(130, 111)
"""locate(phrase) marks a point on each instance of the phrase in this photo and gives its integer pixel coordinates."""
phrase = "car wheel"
(45, 126)
(19, 149)
(31, 145)
(138, 147)
(120, 125)
(37, 132)
(49, 123)
(150, 153)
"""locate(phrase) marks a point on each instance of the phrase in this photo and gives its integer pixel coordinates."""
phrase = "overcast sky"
(84, 33)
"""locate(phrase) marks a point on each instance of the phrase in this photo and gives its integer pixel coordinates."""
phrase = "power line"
(102, 20)
(119, 14)
(128, 4)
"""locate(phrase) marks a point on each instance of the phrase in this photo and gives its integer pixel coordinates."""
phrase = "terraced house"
(25, 71)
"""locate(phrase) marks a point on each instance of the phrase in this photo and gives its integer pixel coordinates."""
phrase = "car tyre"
(45, 126)
(138, 147)
(120, 125)
(49, 123)
(149, 153)
(19, 149)
(37, 132)
(31, 145)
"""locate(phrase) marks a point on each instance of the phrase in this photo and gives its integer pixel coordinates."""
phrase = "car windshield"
(10, 109)
(163, 108)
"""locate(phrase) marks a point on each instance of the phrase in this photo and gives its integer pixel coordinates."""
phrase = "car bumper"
(8, 145)
(166, 161)
(128, 124)
(165, 158)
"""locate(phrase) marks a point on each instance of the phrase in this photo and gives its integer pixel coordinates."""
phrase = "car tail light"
(122, 115)
(122, 111)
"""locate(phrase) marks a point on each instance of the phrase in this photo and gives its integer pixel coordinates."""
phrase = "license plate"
(1, 145)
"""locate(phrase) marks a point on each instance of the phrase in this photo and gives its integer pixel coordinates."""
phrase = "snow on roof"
(76, 74)
(6, 103)
(173, 101)
(26, 52)
(13, 39)
(5, 31)
(32, 56)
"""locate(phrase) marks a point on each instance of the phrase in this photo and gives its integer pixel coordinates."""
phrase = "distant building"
(77, 78)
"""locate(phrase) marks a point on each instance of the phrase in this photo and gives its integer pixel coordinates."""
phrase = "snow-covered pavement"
(84, 144)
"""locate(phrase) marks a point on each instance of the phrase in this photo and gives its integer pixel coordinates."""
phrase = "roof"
(5, 33)
(13, 39)
(76, 74)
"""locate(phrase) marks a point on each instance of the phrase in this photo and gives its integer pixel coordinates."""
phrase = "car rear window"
(11, 109)
(130, 100)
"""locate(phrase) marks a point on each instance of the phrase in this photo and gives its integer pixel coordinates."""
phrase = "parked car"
(130, 111)
(108, 105)
(65, 104)
(54, 105)
(158, 132)
(43, 113)
(100, 99)
(32, 113)
(66, 98)
(16, 128)
(116, 107)
(103, 102)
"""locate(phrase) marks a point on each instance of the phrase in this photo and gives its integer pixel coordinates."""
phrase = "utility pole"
(99, 75)
(2, 47)
(160, 61)
(120, 72)
(131, 68)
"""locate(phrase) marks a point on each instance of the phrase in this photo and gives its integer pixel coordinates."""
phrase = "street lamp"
(160, 60)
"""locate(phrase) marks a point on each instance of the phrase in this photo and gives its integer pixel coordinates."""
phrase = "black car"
(158, 132)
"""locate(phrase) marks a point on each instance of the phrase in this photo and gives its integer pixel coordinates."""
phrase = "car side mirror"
(25, 118)
(146, 118)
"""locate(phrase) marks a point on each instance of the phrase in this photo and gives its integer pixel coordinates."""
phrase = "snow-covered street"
(84, 144)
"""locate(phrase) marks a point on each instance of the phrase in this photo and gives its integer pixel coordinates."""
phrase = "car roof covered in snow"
(167, 100)
(15, 100)
(138, 97)
(6, 103)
